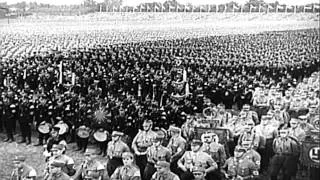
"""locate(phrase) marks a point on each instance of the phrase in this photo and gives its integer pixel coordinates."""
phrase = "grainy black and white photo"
(159, 89)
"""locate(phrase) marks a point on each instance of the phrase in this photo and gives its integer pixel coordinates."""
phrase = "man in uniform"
(9, 122)
(128, 171)
(25, 123)
(286, 156)
(114, 152)
(54, 139)
(141, 142)
(163, 172)
(249, 135)
(91, 168)
(199, 173)
(238, 167)
(187, 128)
(177, 146)
(251, 153)
(212, 146)
(268, 132)
(57, 155)
(156, 152)
(22, 170)
(295, 130)
(56, 172)
(194, 158)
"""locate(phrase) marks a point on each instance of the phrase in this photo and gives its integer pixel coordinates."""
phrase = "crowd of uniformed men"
(106, 94)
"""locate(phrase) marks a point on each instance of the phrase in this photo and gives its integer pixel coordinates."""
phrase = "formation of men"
(107, 93)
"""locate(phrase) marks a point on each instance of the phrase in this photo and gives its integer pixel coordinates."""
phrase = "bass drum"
(83, 132)
(44, 127)
(100, 135)
(64, 128)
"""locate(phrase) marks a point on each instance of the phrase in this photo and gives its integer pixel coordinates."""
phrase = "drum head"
(63, 128)
(100, 136)
(44, 128)
(83, 133)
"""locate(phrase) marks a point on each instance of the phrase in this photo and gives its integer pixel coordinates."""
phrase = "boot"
(23, 140)
(39, 144)
(29, 141)
(11, 140)
(6, 140)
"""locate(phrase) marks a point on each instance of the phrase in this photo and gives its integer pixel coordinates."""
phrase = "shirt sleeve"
(100, 167)
(32, 173)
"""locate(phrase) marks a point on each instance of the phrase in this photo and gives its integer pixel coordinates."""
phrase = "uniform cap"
(117, 133)
(57, 147)
(240, 149)
(56, 163)
(19, 159)
(56, 128)
(160, 136)
(90, 151)
(174, 129)
(195, 142)
(198, 169)
(163, 164)
(127, 155)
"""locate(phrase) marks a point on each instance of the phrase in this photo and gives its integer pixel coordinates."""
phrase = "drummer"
(55, 139)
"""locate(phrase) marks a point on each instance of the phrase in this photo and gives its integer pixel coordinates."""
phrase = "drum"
(64, 128)
(83, 132)
(100, 135)
(44, 127)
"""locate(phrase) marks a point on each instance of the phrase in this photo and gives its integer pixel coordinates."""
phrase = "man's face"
(56, 152)
(115, 138)
(17, 164)
(283, 133)
(54, 170)
(238, 154)
(293, 123)
(146, 126)
(207, 139)
(195, 147)
(127, 161)
(161, 169)
(246, 144)
(198, 175)
(156, 143)
(54, 133)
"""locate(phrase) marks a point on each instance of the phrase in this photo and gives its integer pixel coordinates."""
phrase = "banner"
(310, 154)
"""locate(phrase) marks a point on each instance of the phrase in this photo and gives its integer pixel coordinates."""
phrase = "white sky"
(136, 2)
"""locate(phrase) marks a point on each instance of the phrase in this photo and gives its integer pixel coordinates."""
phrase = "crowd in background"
(165, 81)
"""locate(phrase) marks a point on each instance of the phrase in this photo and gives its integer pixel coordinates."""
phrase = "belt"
(284, 154)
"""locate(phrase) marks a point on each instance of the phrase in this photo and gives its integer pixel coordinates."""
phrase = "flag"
(252, 7)
(114, 9)
(235, 7)
(184, 77)
(187, 90)
(225, 8)
(269, 7)
(60, 73)
(180, 7)
(73, 78)
(202, 8)
(171, 7)
(135, 8)
(25, 74)
(280, 7)
(307, 8)
(156, 7)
